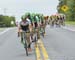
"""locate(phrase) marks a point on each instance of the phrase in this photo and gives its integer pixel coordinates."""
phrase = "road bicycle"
(24, 41)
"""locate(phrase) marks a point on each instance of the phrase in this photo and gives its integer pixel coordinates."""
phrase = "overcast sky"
(19, 7)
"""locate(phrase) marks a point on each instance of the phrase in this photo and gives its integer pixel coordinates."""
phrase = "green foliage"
(70, 22)
(5, 21)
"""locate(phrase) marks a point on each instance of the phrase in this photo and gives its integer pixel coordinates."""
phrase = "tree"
(71, 11)
(6, 20)
(71, 4)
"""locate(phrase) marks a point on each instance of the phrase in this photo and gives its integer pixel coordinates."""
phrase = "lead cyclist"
(25, 25)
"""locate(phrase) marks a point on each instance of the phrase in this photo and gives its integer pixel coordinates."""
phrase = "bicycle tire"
(35, 40)
(25, 45)
(26, 49)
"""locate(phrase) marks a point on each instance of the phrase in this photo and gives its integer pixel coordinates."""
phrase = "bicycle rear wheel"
(35, 39)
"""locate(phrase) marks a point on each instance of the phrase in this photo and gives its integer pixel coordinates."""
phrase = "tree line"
(7, 21)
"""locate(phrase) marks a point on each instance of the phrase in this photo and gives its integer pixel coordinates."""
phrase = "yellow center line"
(38, 56)
(45, 54)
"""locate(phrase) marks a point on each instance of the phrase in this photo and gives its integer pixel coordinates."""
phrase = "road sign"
(12, 22)
(64, 8)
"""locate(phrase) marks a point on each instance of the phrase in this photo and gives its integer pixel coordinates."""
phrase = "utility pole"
(5, 11)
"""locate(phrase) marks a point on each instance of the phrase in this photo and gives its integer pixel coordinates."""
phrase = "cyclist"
(25, 25)
(42, 23)
(52, 20)
(36, 25)
(32, 26)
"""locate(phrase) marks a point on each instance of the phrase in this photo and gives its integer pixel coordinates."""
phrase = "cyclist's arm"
(19, 27)
(30, 26)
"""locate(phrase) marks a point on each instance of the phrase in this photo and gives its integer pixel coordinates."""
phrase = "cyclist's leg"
(44, 28)
(28, 41)
(31, 33)
(38, 32)
(22, 36)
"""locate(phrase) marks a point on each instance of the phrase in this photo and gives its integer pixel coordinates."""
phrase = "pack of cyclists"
(57, 20)
(34, 23)
(31, 23)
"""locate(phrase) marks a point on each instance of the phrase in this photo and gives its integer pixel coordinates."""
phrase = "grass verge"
(70, 22)
(1, 29)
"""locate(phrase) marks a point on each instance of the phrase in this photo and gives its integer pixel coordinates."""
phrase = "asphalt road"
(58, 42)
(11, 48)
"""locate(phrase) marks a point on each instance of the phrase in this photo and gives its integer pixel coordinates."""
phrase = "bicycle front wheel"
(26, 49)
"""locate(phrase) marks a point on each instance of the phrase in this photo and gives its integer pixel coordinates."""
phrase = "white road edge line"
(68, 28)
(5, 31)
